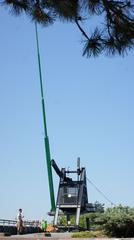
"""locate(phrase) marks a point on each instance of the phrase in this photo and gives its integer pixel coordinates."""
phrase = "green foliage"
(113, 33)
(99, 207)
(93, 217)
(119, 221)
(62, 220)
(89, 234)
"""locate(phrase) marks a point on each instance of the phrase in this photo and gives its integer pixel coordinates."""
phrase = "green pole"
(46, 139)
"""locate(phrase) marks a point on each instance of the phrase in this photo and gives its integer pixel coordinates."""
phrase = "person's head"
(20, 210)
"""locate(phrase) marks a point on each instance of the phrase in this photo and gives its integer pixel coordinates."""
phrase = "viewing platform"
(9, 227)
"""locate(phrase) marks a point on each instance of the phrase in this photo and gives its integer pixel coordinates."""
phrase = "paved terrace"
(54, 236)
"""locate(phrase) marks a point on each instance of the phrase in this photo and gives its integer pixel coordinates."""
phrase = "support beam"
(46, 139)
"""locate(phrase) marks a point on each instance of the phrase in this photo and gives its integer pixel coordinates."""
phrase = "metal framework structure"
(72, 197)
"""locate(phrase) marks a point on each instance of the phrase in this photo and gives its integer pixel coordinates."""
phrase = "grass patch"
(89, 234)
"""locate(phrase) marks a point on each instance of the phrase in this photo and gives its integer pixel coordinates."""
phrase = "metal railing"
(4, 222)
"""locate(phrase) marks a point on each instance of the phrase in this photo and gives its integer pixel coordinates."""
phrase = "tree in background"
(119, 221)
(116, 222)
(99, 207)
(114, 30)
(92, 216)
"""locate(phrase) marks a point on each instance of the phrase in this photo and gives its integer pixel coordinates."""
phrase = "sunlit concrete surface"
(54, 236)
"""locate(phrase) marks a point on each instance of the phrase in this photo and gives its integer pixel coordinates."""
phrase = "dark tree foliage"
(113, 33)
(119, 221)
(99, 207)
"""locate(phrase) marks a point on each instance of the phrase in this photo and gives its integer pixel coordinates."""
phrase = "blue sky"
(90, 114)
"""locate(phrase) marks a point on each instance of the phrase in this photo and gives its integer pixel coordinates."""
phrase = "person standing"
(43, 225)
(20, 222)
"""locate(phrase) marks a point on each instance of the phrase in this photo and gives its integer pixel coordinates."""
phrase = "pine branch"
(81, 29)
(115, 37)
